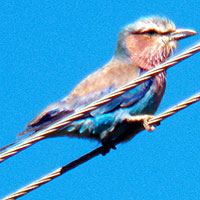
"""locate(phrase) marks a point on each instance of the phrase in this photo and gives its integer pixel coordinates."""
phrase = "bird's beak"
(182, 33)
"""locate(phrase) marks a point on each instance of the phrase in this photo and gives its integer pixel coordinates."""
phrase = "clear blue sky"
(46, 48)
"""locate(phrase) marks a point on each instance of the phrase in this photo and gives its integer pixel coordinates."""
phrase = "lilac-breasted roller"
(140, 47)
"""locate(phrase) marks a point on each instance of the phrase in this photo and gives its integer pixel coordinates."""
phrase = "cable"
(96, 152)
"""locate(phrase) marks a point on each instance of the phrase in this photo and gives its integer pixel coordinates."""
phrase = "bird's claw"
(144, 119)
(106, 148)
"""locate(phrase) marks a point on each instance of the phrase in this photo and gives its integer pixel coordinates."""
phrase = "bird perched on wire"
(140, 47)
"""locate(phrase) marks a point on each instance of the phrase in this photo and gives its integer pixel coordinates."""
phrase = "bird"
(141, 46)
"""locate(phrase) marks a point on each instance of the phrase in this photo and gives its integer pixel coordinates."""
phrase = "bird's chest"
(151, 98)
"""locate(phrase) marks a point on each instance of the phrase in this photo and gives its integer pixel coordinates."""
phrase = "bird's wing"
(95, 86)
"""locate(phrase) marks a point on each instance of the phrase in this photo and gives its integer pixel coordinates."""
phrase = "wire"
(174, 109)
(82, 111)
(96, 152)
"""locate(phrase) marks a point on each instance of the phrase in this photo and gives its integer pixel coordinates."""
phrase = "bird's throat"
(146, 53)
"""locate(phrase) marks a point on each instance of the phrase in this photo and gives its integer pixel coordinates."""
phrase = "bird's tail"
(33, 135)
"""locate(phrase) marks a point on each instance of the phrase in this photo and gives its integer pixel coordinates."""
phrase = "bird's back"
(105, 80)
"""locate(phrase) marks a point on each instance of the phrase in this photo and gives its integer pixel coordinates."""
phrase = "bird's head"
(149, 41)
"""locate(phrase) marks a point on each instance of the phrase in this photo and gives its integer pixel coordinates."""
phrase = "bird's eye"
(151, 32)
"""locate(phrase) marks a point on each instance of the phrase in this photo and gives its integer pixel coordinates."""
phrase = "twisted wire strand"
(80, 112)
(174, 109)
(96, 152)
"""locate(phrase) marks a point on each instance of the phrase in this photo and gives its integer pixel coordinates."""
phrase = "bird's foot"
(106, 148)
(142, 118)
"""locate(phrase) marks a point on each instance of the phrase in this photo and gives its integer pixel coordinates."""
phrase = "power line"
(96, 152)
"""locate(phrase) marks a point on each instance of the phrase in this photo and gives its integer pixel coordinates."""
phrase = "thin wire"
(96, 152)
(174, 109)
(82, 111)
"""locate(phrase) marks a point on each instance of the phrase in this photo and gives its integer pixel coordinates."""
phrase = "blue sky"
(47, 47)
